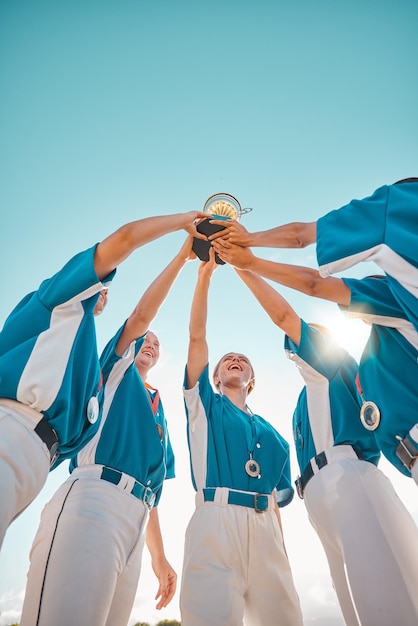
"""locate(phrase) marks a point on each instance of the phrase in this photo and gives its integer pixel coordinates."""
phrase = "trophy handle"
(247, 210)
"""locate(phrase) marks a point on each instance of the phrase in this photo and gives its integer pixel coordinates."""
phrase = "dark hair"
(406, 180)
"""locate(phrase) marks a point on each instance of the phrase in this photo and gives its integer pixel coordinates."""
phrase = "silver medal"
(370, 415)
(93, 410)
(252, 468)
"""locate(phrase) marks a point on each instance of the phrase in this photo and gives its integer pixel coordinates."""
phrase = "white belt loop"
(127, 482)
(199, 498)
(413, 433)
(314, 466)
(221, 496)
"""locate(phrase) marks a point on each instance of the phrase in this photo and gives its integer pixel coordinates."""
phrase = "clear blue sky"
(116, 110)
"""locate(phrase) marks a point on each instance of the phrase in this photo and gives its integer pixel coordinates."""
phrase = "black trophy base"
(201, 247)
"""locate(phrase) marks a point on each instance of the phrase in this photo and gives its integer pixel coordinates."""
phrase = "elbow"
(304, 234)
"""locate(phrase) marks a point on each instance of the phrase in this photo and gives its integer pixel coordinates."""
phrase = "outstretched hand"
(233, 254)
(233, 232)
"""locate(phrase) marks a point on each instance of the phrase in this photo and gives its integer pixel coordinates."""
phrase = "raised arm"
(149, 304)
(278, 309)
(167, 577)
(198, 354)
(304, 279)
(119, 245)
(293, 235)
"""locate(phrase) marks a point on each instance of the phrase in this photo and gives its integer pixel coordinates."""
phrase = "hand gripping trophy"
(220, 206)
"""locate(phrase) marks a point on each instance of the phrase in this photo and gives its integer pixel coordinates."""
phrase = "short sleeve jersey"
(328, 408)
(381, 228)
(130, 438)
(220, 438)
(388, 369)
(48, 351)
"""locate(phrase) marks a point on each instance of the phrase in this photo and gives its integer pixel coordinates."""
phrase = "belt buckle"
(299, 487)
(256, 496)
(54, 449)
(54, 453)
(148, 497)
(406, 452)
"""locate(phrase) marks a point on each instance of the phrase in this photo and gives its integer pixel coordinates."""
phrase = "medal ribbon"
(358, 385)
(154, 400)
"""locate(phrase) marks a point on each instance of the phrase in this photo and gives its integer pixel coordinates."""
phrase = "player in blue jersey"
(390, 400)
(86, 557)
(49, 366)
(381, 228)
(363, 526)
(235, 563)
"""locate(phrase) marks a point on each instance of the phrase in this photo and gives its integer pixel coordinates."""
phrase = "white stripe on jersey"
(198, 435)
(391, 262)
(317, 398)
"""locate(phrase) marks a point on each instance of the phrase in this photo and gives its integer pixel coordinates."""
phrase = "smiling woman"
(235, 563)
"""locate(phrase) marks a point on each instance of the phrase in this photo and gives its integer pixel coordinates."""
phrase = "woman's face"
(234, 368)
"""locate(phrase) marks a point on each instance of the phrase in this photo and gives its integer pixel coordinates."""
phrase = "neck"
(237, 396)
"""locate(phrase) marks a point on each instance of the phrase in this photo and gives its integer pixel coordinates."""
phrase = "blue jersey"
(389, 365)
(48, 351)
(381, 228)
(328, 409)
(220, 437)
(130, 438)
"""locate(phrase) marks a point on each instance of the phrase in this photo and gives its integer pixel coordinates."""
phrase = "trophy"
(220, 206)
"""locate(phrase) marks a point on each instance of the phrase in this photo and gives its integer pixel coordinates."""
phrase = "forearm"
(293, 235)
(276, 307)
(153, 536)
(297, 277)
(197, 357)
(120, 244)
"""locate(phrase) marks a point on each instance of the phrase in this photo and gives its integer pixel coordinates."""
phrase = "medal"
(93, 410)
(369, 412)
(252, 467)
(370, 415)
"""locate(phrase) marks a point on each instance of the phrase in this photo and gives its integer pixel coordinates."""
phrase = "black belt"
(139, 490)
(257, 501)
(321, 461)
(49, 437)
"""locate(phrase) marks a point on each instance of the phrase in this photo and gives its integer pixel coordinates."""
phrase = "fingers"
(166, 589)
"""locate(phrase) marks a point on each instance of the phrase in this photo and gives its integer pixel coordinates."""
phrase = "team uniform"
(388, 370)
(370, 539)
(49, 381)
(381, 228)
(235, 565)
(86, 557)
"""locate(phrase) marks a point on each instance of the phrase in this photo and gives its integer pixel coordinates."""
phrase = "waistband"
(223, 496)
(44, 431)
(122, 481)
(328, 456)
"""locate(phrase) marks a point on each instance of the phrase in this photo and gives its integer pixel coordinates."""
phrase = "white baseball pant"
(24, 461)
(370, 540)
(235, 568)
(85, 561)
